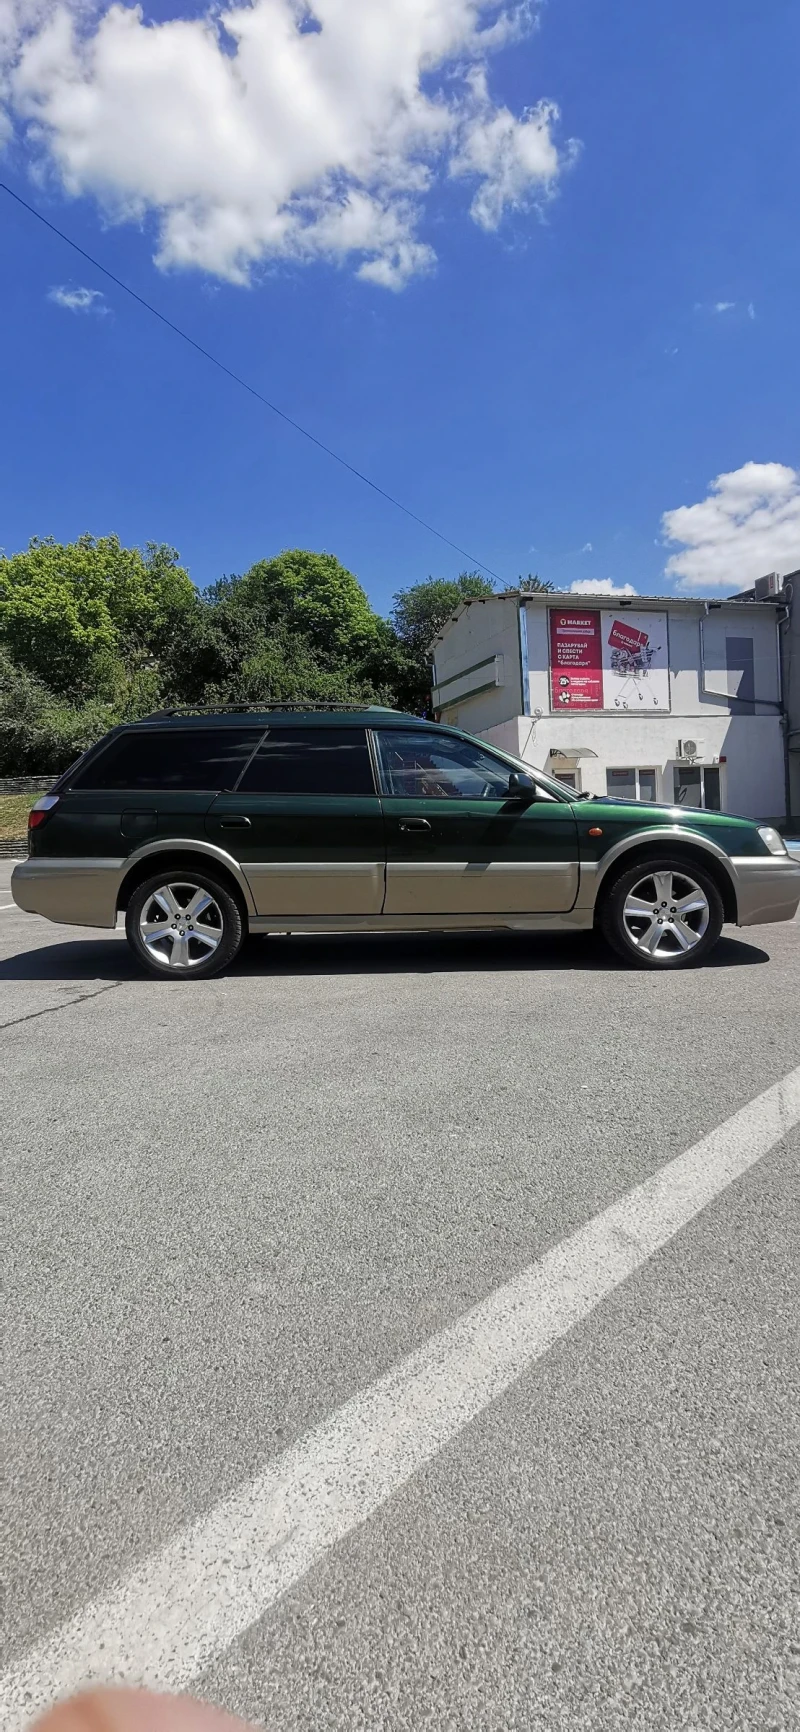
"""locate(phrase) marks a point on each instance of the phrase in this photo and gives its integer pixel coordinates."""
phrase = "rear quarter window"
(171, 758)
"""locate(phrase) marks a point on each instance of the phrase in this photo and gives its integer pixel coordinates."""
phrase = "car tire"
(664, 913)
(183, 924)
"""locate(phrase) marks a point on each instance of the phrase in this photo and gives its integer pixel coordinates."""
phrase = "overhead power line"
(238, 380)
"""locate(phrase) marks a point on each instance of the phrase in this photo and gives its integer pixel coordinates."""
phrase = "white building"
(649, 697)
(790, 638)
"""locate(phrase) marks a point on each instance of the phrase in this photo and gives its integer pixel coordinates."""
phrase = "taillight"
(41, 810)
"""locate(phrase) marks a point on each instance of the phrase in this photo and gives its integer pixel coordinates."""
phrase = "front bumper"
(767, 888)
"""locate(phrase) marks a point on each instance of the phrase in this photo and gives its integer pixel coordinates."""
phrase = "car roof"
(245, 716)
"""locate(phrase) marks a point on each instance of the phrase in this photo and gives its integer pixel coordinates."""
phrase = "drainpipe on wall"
(783, 620)
(523, 658)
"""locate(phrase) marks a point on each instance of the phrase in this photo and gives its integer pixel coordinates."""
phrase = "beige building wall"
(477, 669)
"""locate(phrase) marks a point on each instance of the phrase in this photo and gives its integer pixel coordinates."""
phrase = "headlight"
(773, 841)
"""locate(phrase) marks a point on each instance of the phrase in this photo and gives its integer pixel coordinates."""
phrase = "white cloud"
(509, 156)
(749, 524)
(78, 300)
(601, 586)
(742, 309)
(250, 136)
(587, 547)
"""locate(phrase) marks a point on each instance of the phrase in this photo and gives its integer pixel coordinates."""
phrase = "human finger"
(135, 1711)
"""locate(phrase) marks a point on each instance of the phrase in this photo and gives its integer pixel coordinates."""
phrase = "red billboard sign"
(576, 659)
(626, 637)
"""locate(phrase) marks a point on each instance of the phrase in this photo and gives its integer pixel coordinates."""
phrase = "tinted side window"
(201, 758)
(428, 766)
(311, 761)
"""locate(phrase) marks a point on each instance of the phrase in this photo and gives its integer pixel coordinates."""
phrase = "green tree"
(532, 585)
(40, 733)
(90, 617)
(92, 632)
(418, 614)
(312, 595)
(297, 626)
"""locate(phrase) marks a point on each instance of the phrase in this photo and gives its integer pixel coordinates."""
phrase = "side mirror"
(521, 786)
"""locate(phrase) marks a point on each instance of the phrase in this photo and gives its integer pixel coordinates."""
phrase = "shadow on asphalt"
(386, 953)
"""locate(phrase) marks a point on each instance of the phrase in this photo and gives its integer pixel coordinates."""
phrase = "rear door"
(305, 822)
(149, 784)
(456, 843)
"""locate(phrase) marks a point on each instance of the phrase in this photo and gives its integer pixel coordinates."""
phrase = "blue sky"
(587, 353)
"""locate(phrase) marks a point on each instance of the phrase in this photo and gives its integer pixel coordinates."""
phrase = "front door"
(305, 823)
(458, 844)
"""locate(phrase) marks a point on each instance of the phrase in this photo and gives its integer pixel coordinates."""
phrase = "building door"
(458, 843)
(305, 824)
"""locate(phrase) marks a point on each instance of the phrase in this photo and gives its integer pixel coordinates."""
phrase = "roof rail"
(257, 708)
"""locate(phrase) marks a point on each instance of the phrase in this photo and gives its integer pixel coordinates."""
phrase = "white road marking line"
(169, 1619)
(4, 906)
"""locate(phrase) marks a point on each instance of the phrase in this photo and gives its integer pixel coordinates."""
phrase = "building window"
(697, 785)
(632, 784)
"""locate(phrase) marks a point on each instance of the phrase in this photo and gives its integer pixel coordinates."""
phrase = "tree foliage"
(296, 626)
(418, 614)
(39, 731)
(92, 633)
(531, 585)
(88, 617)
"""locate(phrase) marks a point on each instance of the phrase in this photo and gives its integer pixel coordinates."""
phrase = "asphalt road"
(234, 1206)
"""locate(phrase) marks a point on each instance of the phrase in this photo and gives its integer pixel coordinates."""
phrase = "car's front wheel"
(662, 913)
(184, 925)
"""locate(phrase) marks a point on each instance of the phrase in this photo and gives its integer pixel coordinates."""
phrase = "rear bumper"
(767, 888)
(72, 892)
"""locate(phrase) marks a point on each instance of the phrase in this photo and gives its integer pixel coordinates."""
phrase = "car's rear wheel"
(662, 913)
(184, 925)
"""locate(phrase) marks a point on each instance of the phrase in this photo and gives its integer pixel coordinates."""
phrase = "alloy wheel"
(666, 914)
(180, 925)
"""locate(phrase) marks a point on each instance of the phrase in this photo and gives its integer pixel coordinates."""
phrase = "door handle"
(407, 824)
(235, 824)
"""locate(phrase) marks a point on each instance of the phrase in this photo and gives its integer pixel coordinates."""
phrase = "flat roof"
(640, 603)
(560, 596)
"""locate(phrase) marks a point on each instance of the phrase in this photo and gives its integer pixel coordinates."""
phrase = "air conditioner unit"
(766, 588)
(690, 749)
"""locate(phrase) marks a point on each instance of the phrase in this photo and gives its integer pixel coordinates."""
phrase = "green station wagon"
(204, 826)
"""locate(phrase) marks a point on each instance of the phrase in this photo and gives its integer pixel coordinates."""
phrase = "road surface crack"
(53, 1009)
